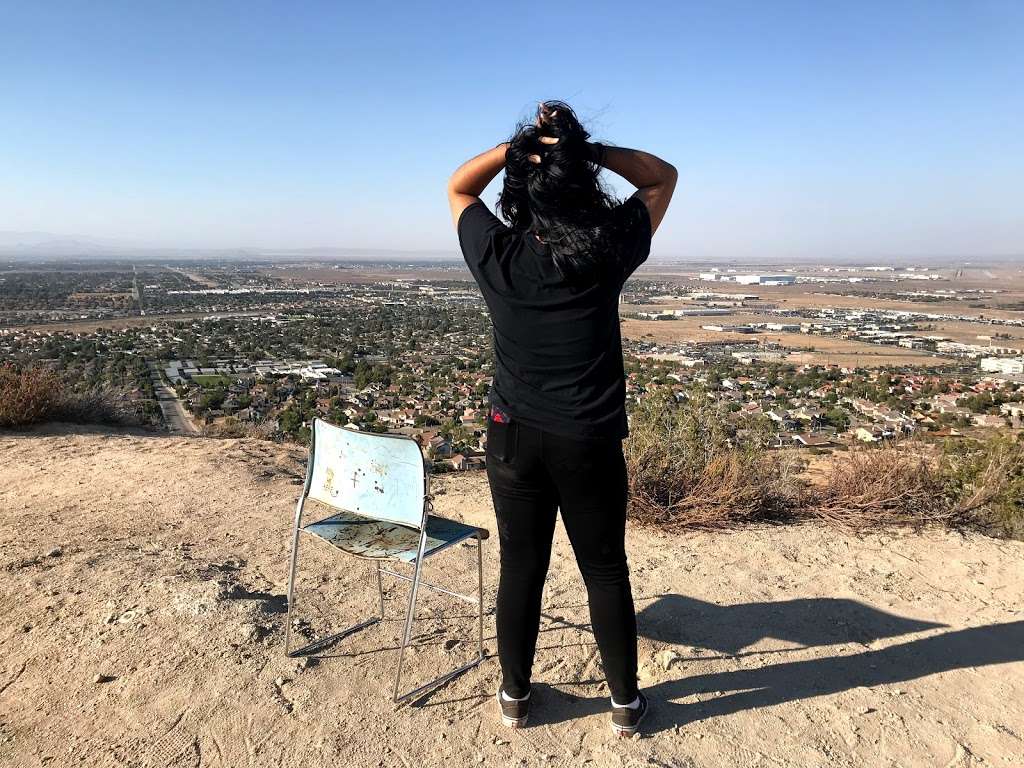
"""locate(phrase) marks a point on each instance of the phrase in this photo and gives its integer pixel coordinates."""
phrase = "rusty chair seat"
(381, 540)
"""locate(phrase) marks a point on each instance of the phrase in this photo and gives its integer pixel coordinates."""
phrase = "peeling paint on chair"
(374, 539)
(383, 477)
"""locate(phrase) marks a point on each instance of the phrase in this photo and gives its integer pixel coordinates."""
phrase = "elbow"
(455, 186)
(669, 176)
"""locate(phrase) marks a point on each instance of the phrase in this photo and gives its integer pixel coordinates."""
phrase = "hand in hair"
(553, 189)
(535, 158)
(544, 114)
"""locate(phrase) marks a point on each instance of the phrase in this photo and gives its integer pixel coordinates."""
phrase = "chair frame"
(415, 579)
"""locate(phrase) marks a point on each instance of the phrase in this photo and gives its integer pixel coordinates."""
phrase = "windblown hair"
(561, 199)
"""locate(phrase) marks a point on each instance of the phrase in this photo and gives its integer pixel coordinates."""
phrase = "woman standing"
(551, 275)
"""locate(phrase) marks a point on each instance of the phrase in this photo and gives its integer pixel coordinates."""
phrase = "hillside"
(143, 593)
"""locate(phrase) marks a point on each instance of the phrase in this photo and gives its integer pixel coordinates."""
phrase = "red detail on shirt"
(498, 415)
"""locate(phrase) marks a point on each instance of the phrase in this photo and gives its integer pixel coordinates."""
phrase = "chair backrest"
(380, 476)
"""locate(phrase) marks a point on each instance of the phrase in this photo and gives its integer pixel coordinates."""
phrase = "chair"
(380, 487)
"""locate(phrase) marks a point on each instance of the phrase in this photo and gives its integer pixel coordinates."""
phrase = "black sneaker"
(513, 713)
(626, 720)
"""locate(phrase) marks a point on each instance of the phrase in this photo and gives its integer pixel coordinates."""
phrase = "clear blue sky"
(799, 128)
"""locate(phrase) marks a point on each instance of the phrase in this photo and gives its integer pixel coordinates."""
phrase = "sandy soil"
(143, 593)
(828, 350)
(812, 295)
(981, 333)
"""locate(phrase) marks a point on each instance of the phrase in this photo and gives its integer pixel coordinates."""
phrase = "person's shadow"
(680, 620)
(807, 622)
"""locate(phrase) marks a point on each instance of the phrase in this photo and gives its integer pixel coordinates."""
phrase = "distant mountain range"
(32, 246)
(42, 244)
(36, 246)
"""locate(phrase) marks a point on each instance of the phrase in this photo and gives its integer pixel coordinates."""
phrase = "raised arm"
(472, 177)
(654, 179)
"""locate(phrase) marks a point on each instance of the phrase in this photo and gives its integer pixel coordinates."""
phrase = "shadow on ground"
(810, 622)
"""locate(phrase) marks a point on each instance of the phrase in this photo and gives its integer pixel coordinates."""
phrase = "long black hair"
(561, 199)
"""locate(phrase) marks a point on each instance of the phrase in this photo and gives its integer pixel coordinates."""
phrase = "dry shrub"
(879, 488)
(689, 468)
(97, 406)
(233, 428)
(27, 395)
(33, 395)
(984, 483)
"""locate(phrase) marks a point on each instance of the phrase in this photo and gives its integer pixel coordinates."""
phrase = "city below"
(823, 356)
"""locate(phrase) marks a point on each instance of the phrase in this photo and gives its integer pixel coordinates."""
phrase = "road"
(177, 418)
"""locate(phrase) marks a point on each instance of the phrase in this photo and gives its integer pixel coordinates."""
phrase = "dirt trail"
(142, 584)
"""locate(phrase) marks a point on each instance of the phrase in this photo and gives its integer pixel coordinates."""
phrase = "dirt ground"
(828, 350)
(143, 594)
(881, 295)
(831, 350)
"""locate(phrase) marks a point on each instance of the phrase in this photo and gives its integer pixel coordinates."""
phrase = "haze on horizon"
(800, 130)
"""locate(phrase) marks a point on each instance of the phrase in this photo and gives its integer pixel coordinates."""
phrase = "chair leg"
(291, 590)
(317, 644)
(480, 594)
(407, 634)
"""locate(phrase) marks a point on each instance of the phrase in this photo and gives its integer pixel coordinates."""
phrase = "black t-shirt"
(557, 346)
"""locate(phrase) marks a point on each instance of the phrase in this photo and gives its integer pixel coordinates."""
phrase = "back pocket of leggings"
(502, 436)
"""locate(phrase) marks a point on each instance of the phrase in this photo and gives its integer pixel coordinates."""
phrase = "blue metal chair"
(381, 489)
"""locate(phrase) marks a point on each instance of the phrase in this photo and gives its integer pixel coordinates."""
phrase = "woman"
(551, 275)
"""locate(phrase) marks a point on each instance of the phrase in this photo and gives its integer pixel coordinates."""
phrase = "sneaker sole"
(626, 731)
(511, 722)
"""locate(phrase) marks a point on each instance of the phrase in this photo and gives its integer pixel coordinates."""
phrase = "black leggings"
(532, 473)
